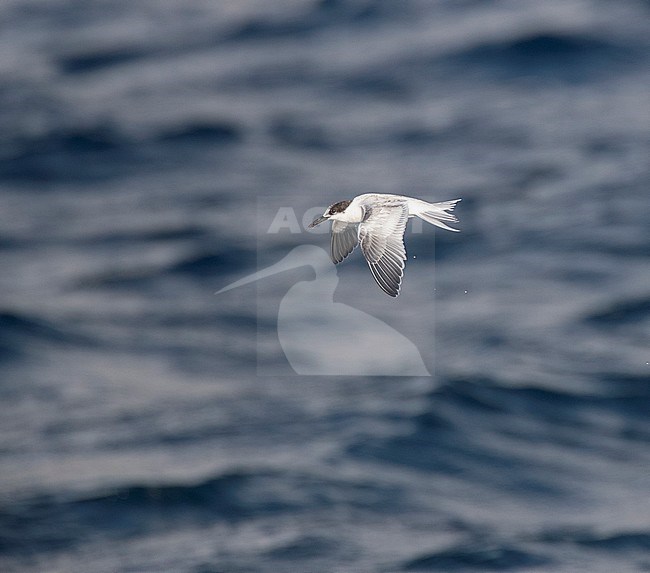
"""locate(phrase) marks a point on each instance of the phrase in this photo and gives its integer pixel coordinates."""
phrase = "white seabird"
(377, 222)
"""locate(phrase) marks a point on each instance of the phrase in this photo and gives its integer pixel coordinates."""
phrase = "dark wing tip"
(344, 240)
(387, 279)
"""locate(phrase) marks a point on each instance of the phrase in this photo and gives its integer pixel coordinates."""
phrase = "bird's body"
(377, 222)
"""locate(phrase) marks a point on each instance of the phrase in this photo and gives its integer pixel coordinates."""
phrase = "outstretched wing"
(381, 236)
(344, 240)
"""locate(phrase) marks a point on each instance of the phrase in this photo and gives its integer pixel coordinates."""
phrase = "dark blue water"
(149, 425)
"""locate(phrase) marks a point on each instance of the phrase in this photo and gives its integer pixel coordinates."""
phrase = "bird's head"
(331, 210)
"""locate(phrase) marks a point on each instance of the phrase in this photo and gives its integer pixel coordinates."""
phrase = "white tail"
(435, 213)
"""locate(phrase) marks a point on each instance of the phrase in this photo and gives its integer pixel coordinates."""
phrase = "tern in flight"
(377, 222)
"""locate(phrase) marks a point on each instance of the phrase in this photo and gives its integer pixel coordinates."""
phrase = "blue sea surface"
(149, 425)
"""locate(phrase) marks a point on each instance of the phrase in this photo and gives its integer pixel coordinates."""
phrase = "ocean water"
(149, 425)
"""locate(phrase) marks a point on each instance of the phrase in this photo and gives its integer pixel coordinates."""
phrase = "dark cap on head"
(339, 207)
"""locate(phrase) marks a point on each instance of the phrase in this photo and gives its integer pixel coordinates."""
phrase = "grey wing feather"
(381, 236)
(344, 240)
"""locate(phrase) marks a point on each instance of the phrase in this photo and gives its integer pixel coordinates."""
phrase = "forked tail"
(435, 213)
